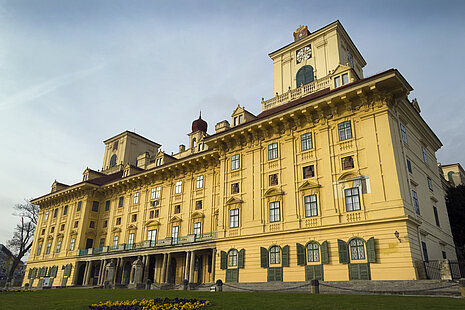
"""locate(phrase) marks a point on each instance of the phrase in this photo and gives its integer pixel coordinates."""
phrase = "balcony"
(293, 94)
(150, 244)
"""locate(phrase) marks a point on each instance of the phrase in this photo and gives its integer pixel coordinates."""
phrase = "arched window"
(357, 249)
(305, 75)
(232, 258)
(275, 255)
(193, 143)
(313, 253)
(113, 160)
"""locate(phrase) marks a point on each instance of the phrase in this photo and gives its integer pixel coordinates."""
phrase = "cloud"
(47, 87)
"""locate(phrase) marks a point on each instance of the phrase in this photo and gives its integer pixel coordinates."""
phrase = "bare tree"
(23, 234)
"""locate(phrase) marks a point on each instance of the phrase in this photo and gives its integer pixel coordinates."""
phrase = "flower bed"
(152, 304)
(15, 291)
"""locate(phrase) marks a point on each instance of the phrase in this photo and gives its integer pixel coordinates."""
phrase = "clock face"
(304, 54)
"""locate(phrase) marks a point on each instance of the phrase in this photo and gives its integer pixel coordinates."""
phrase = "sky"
(74, 73)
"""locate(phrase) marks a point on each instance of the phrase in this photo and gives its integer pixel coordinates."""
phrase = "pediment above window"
(273, 192)
(60, 235)
(116, 230)
(198, 215)
(91, 233)
(50, 238)
(73, 233)
(348, 176)
(152, 223)
(131, 227)
(309, 185)
(41, 239)
(175, 219)
(234, 200)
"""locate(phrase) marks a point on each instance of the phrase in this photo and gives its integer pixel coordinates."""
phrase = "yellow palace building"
(336, 179)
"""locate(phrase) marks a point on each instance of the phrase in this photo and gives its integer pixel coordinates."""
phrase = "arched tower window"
(113, 160)
(305, 75)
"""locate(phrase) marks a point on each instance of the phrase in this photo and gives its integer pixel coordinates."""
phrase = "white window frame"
(352, 199)
(233, 218)
(152, 236)
(232, 258)
(178, 189)
(131, 240)
(275, 211)
(313, 252)
(275, 255)
(46, 215)
(58, 248)
(49, 247)
(136, 198)
(311, 205)
(273, 151)
(235, 161)
(115, 242)
(174, 234)
(344, 130)
(197, 229)
(71, 244)
(357, 249)
(39, 249)
(306, 141)
(199, 183)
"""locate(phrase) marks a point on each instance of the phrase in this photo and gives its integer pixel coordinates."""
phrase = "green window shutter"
(286, 256)
(343, 251)
(224, 260)
(365, 271)
(264, 258)
(309, 273)
(318, 272)
(54, 271)
(371, 252)
(354, 272)
(240, 262)
(324, 253)
(271, 274)
(300, 254)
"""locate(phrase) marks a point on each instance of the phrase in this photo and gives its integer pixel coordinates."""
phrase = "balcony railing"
(293, 94)
(143, 245)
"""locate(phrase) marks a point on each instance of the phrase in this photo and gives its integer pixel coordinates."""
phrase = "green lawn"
(81, 298)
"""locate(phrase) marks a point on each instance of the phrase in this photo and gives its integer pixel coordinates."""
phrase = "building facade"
(336, 179)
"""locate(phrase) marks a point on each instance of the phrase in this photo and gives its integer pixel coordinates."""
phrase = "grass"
(82, 298)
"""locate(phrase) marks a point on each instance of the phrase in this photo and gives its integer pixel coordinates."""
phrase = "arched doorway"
(198, 263)
(304, 76)
(126, 273)
(172, 271)
(81, 271)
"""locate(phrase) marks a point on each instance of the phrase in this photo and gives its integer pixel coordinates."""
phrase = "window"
(199, 182)
(436, 216)
(52, 230)
(102, 243)
(232, 258)
(49, 246)
(273, 179)
(234, 218)
(305, 74)
(39, 249)
(235, 162)
(306, 141)
(156, 213)
(131, 240)
(416, 206)
(115, 242)
(46, 216)
(198, 205)
(409, 166)
(79, 206)
(152, 236)
(120, 202)
(275, 255)
(235, 188)
(425, 156)
(43, 232)
(65, 210)
(403, 132)
(134, 218)
(58, 246)
(345, 130)
(151, 214)
(159, 161)
(240, 119)
(62, 227)
(105, 224)
(352, 199)
(337, 81)
(174, 234)
(313, 253)
(273, 151)
(309, 172)
(345, 79)
(118, 221)
(55, 213)
(275, 212)
(347, 163)
(95, 206)
(126, 173)
(311, 207)
(136, 198)
(177, 209)
(92, 224)
(197, 229)
(444, 256)
(76, 223)
(178, 187)
(425, 251)
(357, 249)
(71, 244)
(235, 121)
(154, 192)
(107, 205)
(430, 183)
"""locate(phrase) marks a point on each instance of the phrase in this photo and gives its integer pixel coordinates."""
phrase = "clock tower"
(316, 58)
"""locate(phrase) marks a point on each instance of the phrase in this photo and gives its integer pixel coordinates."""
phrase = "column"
(89, 269)
(101, 271)
(191, 268)
(213, 265)
(186, 268)
(75, 273)
(154, 269)
(116, 270)
(146, 268)
(163, 268)
(168, 264)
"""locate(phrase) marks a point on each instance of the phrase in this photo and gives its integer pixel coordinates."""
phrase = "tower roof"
(199, 124)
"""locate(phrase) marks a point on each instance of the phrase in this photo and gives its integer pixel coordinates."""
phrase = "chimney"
(182, 148)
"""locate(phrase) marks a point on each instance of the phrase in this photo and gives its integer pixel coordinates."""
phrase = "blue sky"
(73, 73)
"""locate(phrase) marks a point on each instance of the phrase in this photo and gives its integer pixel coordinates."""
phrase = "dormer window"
(85, 177)
(126, 173)
(341, 80)
(159, 161)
